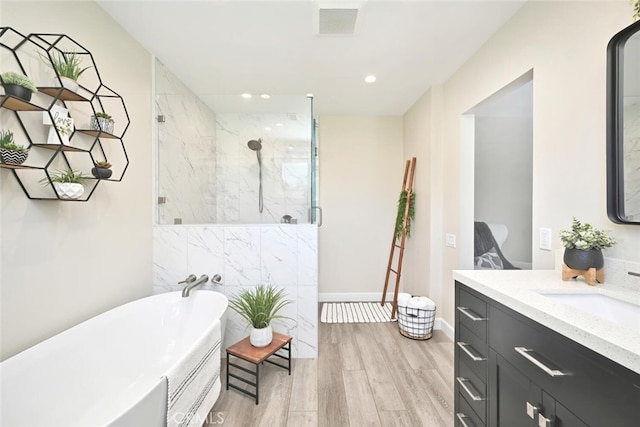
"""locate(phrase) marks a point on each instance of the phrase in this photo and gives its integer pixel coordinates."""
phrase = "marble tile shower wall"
(632, 160)
(186, 153)
(282, 255)
(286, 152)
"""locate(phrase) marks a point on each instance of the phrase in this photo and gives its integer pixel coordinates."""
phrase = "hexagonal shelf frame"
(84, 141)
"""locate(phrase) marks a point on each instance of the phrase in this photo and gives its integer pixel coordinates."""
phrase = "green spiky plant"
(402, 206)
(12, 78)
(67, 175)
(66, 64)
(259, 306)
(636, 9)
(7, 142)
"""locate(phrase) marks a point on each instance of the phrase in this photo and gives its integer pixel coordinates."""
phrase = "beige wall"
(360, 173)
(63, 262)
(565, 45)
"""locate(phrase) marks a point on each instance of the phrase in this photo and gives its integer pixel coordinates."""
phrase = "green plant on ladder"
(402, 206)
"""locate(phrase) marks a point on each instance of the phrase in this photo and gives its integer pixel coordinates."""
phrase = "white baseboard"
(354, 297)
(445, 327)
(439, 322)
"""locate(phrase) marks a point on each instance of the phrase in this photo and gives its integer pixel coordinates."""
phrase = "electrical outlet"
(545, 239)
(450, 240)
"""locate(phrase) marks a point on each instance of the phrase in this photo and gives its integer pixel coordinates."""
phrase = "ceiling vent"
(337, 21)
(341, 19)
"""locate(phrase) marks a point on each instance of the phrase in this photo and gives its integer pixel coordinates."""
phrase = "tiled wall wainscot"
(245, 256)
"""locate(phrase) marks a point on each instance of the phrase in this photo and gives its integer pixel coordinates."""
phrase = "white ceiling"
(228, 47)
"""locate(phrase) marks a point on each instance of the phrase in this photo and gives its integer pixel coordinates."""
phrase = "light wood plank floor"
(365, 375)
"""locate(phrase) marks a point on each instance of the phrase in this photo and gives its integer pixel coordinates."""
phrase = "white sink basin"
(620, 312)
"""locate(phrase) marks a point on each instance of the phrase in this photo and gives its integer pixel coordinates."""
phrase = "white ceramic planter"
(67, 83)
(261, 337)
(69, 190)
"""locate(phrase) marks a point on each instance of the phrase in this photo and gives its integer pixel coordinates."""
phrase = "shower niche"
(229, 160)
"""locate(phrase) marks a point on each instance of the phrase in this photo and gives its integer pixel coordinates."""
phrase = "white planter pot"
(261, 337)
(69, 190)
(67, 83)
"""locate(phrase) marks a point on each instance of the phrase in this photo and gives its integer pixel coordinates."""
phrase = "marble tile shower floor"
(365, 374)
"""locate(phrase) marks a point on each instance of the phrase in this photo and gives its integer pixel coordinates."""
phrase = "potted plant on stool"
(11, 153)
(18, 85)
(583, 246)
(259, 306)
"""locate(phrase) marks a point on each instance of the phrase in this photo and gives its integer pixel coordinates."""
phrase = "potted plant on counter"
(102, 122)
(583, 245)
(18, 85)
(67, 183)
(102, 170)
(259, 306)
(10, 152)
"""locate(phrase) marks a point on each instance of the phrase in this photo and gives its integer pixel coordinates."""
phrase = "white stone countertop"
(520, 290)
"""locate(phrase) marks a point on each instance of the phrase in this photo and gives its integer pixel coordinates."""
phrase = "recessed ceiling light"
(370, 79)
(246, 95)
(279, 124)
(265, 96)
(267, 129)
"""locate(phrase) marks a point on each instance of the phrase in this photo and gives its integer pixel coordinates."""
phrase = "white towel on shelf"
(194, 381)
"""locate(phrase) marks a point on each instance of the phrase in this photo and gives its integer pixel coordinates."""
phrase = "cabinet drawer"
(471, 311)
(473, 390)
(473, 351)
(597, 390)
(465, 417)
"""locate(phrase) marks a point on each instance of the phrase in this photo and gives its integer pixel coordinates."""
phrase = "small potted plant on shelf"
(18, 85)
(102, 122)
(10, 152)
(259, 306)
(583, 245)
(67, 67)
(102, 170)
(67, 183)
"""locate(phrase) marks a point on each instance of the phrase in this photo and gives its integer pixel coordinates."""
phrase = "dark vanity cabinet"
(510, 371)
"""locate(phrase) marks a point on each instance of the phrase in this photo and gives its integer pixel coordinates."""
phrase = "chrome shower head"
(255, 145)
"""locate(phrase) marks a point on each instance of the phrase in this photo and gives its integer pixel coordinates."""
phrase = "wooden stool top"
(244, 350)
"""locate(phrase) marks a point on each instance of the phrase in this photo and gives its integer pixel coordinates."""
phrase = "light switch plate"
(545, 239)
(450, 240)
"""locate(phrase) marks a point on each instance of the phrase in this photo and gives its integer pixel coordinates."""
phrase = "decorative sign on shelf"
(63, 123)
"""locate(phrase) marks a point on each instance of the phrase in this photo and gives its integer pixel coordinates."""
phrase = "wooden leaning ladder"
(409, 169)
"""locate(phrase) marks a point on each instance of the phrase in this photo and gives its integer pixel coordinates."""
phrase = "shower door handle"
(319, 220)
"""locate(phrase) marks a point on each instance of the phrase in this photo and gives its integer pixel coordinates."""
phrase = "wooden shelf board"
(65, 94)
(97, 133)
(8, 166)
(56, 146)
(17, 104)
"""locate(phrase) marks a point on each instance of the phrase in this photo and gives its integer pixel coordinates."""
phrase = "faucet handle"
(190, 278)
(217, 279)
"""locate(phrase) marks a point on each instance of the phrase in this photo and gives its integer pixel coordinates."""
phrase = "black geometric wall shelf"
(58, 124)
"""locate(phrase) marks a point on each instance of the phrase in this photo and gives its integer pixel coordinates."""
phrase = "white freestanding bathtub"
(109, 370)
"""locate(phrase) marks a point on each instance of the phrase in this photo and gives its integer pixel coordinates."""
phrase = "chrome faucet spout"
(191, 285)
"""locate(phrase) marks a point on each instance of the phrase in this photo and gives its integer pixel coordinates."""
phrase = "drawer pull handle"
(471, 314)
(532, 411)
(528, 354)
(544, 421)
(463, 419)
(475, 358)
(469, 389)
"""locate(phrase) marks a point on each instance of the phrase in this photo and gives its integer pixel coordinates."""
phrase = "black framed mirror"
(623, 126)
